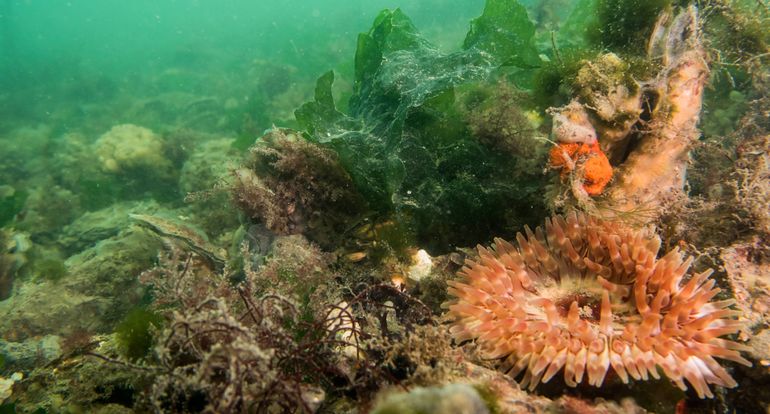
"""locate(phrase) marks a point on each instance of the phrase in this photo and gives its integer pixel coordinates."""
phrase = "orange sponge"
(595, 165)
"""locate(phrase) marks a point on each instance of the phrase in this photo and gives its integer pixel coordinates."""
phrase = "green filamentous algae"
(328, 206)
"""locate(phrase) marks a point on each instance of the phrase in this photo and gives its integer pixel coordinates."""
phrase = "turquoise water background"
(104, 30)
(319, 148)
(76, 65)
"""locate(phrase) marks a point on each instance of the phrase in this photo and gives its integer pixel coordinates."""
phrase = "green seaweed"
(51, 269)
(625, 25)
(739, 29)
(97, 193)
(553, 81)
(243, 141)
(505, 31)
(134, 334)
(315, 116)
(579, 26)
(391, 31)
(11, 204)
(405, 140)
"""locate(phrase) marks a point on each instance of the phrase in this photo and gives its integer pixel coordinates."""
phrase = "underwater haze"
(113, 45)
(131, 34)
(384, 206)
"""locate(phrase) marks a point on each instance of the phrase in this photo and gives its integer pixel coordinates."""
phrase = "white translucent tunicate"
(569, 127)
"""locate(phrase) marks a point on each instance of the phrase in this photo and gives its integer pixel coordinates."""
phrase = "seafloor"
(171, 244)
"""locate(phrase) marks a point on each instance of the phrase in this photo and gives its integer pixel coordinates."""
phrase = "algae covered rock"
(6, 385)
(449, 399)
(101, 284)
(607, 87)
(20, 151)
(747, 268)
(11, 203)
(202, 181)
(208, 164)
(127, 162)
(138, 161)
(46, 210)
(109, 269)
(129, 147)
(13, 249)
(82, 383)
(94, 226)
(294, 267)
(46, 308)
(25, 355)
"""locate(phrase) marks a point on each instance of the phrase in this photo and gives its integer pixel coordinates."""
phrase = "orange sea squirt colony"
(584, 295)
(596, 168)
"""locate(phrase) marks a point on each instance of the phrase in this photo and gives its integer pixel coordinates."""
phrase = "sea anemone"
(586, 294)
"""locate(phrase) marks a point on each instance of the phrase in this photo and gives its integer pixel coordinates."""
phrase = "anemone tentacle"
(584, 295)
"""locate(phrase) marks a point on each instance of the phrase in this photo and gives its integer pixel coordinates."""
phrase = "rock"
(6, 385)
(759, 349)
(573, 405)
(47, 209)
(188, 235)
(201, 180)
(449, 399)
(26, 355)
(101, 284)
(129, 147)
(94, 226)
(207, 165)
(749, 277)
(510, 398)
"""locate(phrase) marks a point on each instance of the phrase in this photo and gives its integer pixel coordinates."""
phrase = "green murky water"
(346, 156)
